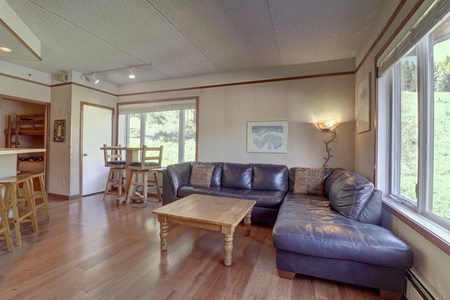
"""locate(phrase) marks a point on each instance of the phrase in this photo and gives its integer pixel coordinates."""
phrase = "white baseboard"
(418, 288)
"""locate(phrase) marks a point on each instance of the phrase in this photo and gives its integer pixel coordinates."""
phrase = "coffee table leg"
(164, 232)
(248, 222)
(227, 245)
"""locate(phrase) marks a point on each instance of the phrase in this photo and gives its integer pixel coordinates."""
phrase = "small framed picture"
(267, 137)
(363, 105)
(59, 132)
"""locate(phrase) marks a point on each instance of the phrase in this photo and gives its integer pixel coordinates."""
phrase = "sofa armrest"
(174, 177)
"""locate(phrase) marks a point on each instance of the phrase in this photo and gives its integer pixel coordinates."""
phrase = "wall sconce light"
(328, 126)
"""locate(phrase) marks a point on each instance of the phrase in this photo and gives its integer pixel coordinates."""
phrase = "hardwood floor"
(91, 249)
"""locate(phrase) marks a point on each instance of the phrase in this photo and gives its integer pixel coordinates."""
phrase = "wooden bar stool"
(154, 183)
(39, 194)
(19, 198)
(116, 164)
(151, 158)
(4, 224)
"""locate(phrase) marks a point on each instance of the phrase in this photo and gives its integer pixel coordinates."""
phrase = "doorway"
(97, 125)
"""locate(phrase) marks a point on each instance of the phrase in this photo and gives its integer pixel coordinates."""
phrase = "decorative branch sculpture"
(327, 147)
(328, 126)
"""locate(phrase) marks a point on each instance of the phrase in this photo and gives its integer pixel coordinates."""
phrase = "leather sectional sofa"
(334, 233)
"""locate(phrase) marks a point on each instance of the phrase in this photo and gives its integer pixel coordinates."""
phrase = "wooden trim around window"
(424, 227)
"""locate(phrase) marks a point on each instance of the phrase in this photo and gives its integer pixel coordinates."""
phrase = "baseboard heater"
(422, 286)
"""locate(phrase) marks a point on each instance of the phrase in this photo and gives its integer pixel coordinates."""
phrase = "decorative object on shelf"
(267, 137)
(363, 105)
(328, 126)
(59, 131)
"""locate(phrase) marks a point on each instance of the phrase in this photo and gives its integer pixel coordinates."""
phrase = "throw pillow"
(309, 181)
(201, 175)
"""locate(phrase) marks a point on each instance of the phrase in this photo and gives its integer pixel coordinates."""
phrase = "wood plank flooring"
(91, 249)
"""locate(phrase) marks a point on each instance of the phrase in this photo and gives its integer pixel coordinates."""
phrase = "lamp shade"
(326, 125)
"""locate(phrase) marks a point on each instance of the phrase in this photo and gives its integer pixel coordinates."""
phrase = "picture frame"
(59, 131)
(267, 136)
(363, 105)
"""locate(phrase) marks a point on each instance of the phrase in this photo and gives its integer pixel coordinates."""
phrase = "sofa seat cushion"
(268, 199)
(308, 225)
(213, 191)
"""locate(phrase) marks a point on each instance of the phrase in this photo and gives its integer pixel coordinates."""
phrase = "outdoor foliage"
(410, 135)
(162, 128)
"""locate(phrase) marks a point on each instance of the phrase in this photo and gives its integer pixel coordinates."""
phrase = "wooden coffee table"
(207, 212)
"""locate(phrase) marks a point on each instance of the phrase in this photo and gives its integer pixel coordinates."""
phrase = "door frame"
(82, 105)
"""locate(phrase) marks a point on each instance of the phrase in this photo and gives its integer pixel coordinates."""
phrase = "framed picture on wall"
(363, 105)
(267, 137)
(59, 131)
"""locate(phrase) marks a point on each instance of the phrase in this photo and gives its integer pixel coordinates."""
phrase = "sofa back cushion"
(269, 177)
(217, 173)
(350, 194)
(329, 181)
(178, 175)
(371, 213)
(238, 176)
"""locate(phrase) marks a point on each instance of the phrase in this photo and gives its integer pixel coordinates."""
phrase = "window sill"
(434, 233)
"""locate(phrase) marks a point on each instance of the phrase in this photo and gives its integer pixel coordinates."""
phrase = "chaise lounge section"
(337, 236)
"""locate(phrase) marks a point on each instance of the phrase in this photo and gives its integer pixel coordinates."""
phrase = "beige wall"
(225, 111)
(59, 153)
(34, 85)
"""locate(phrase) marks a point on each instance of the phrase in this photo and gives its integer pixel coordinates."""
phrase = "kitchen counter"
(8, 159)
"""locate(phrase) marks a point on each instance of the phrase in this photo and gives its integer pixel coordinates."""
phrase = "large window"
(418, 92)
(168, 123)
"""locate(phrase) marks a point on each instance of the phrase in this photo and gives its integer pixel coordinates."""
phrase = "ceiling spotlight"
(94, 79)
(6, 49)
(132, 76)
(90, 77)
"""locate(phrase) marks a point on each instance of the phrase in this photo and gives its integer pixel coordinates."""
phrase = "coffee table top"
(208, 209)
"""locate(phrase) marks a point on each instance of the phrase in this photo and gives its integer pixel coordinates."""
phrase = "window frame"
(142, 108)
(392, 90)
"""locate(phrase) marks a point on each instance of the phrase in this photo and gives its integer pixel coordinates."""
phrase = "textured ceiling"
(191, 37)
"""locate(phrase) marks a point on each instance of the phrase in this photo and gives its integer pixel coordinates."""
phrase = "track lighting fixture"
(132, 76)
(90, 77)
(94, 79)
